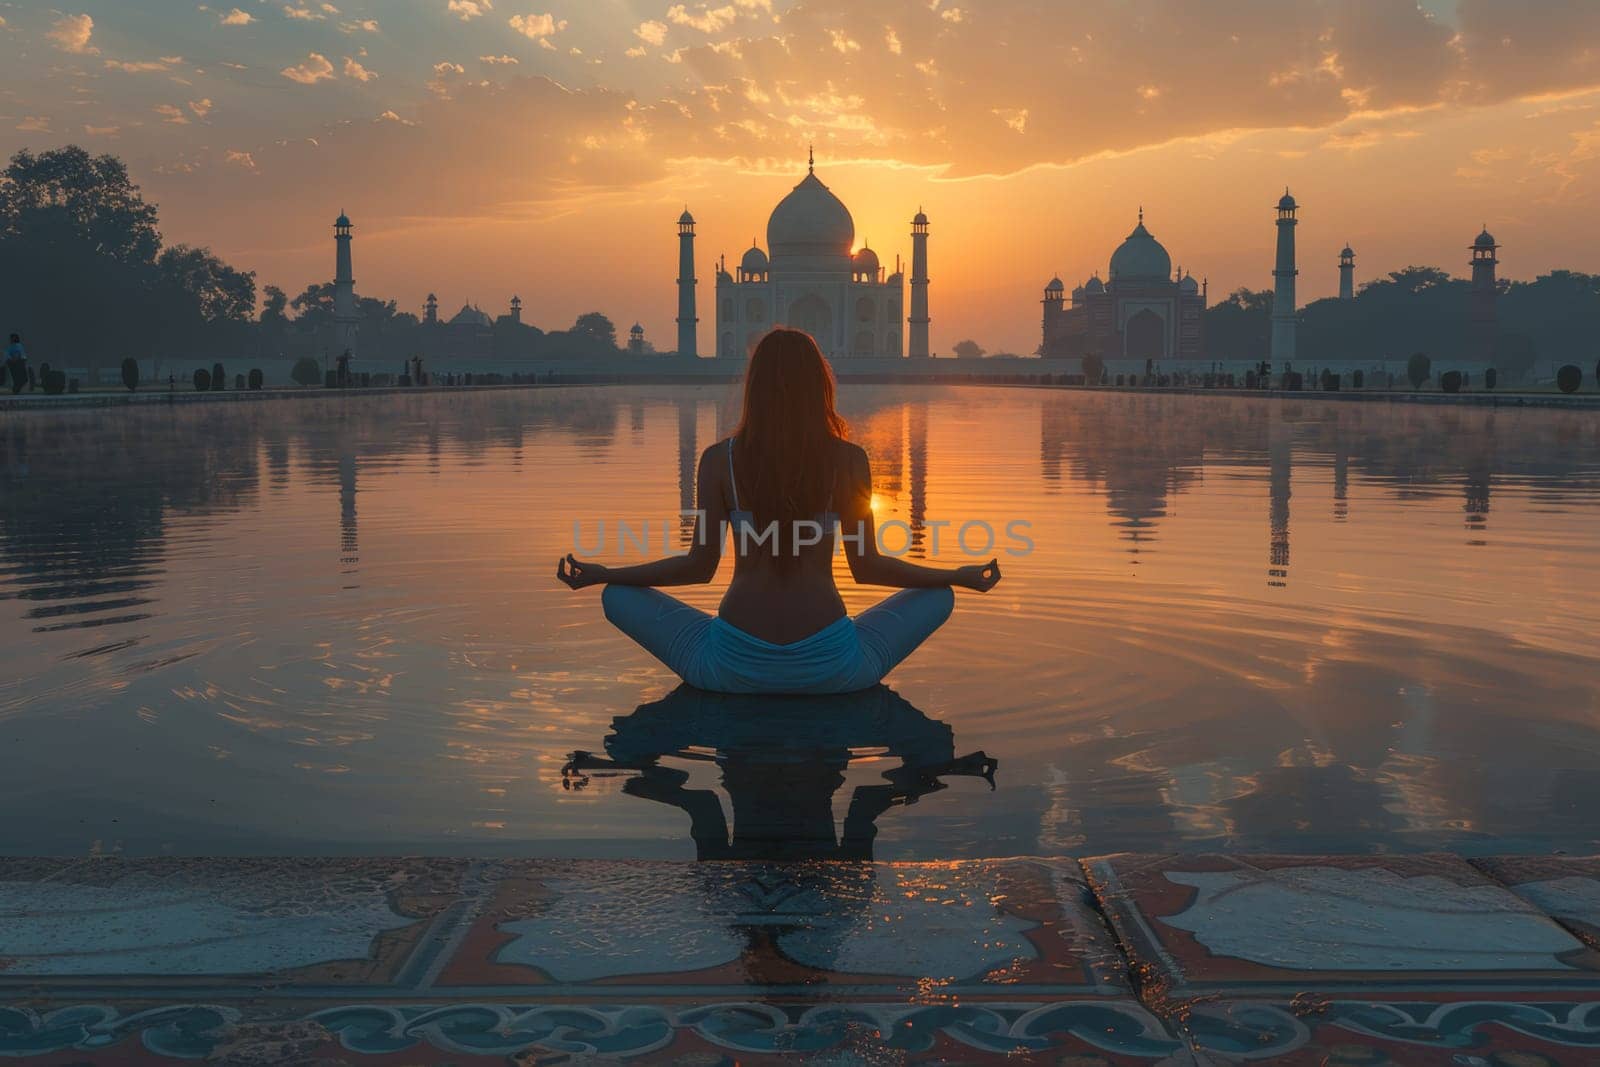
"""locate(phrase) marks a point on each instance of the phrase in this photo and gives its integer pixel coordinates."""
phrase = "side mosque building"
(809, 278)
(1144, 309)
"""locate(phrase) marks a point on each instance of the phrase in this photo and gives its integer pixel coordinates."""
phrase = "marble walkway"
(1127, 959)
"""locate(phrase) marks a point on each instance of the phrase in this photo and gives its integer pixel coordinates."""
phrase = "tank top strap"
(733, 482)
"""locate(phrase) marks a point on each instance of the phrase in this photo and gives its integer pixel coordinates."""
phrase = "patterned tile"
(1564, 887)
(307, 922)
(567, 961)
(976, 928)
(1326, 960)
(1195, 924)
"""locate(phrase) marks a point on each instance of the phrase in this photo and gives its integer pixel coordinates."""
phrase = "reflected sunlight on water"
(332, 626)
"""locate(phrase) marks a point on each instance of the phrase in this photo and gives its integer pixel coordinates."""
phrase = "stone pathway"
(1129, 959)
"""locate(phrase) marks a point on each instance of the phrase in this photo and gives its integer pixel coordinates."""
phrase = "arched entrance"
(812, 314)
(1145, 336)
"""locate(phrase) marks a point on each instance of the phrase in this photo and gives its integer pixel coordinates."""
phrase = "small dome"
(1286, 202)
(865, 262)
(636, 328)
(471, 316)
(1077, 293)
(1094, 285)
(1347, 251)
(919, 219)
(343, 220)
(686, 219)
(1485, 239)
(1055, 286)
(1141, 257)
(810, 221)
(1188, 284)
(754, 261)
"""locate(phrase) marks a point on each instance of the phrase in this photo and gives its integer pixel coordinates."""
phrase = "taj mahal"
(808, 278)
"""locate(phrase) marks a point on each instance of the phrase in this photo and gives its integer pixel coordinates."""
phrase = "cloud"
(71, 33)
(236, 17)
(467, 10)
(34, 124)
(537, 27)
(172, 114)
(910, 81)
(569, 143)
(101, 131)
(239, 159)
(651, 32)
(703, 18)
(499, 61)
(147, 66)
(354, 70)
(316, 68)
(964, 98)
(360, 26)
(303, 13)
(201, 108)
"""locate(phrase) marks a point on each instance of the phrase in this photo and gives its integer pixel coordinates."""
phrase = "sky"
(544, 148)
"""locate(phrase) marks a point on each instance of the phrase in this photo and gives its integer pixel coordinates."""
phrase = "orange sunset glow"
(491, 149)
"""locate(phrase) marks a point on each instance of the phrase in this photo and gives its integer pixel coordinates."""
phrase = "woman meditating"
(781, 483)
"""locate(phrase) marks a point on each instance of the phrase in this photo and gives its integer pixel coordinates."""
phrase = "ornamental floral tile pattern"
(311, 921)
(1565, 888)
(1197, 923)
(1336, 960)
(565, 961)
(1331, 961)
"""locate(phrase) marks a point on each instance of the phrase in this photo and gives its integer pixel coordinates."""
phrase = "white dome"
(1188, 285)
(865, 262)
(1141, 257)
(1094, 285)
(754, 261)
(810, 223)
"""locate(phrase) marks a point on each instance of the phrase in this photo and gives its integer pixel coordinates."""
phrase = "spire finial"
(1141, 214)
(811, 159)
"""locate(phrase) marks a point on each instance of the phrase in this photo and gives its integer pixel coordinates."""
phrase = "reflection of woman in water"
(781, 482)
(782, 759)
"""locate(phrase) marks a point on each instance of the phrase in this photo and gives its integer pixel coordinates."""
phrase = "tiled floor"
(1206, 959)
(1357, 960)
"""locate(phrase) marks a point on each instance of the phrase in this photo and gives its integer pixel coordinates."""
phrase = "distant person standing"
(17, 364)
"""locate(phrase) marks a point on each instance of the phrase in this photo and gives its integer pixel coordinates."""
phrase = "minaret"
(344, 284)
(686, 284)
(1482, 321)
(516, 310)
(430, 311)
(1347, 274)
(1283, 303)
(919, 286)
(1054, 303)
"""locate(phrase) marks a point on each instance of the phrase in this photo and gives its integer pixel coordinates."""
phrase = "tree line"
(88, 280)
(1554, 318)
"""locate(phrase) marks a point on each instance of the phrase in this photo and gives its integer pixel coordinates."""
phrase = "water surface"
(331, 626)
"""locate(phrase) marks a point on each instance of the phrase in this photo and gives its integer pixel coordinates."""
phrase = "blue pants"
(842, 657)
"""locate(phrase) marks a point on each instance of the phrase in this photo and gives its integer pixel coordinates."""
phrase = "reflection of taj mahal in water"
(809, 278)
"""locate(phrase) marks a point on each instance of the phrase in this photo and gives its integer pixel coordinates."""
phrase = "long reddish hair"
(785, 449)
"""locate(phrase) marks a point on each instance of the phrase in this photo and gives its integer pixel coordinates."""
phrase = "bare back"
(781, 604)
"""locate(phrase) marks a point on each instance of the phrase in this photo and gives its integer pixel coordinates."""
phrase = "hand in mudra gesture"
(981, 577)
(579, 575)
